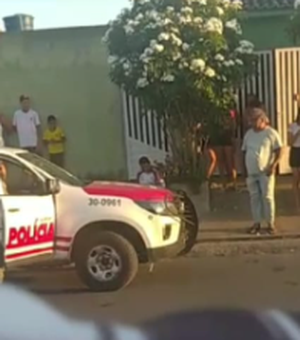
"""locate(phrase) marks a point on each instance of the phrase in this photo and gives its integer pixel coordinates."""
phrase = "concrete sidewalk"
(230, 216)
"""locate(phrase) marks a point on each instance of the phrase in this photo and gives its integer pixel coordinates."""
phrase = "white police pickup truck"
(105, 228)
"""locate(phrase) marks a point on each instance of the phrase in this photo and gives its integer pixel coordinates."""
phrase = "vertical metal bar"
(295, 77)
(261, 78)
(149, 115)
(127, 131)
(138, 119)
(132, 118)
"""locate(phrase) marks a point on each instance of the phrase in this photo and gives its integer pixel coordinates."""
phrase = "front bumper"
(168, 251)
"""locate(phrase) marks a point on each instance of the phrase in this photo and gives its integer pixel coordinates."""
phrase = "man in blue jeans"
(262, 152)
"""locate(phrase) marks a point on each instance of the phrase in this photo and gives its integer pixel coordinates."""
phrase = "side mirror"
(53, 186)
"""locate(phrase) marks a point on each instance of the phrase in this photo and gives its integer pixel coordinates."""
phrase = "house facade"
(66, 73)
(265, 23)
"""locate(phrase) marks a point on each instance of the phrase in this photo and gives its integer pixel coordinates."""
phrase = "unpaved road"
(238, 279)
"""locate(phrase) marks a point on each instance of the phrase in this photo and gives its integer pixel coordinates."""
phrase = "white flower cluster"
(112, 59)
(229, 63)
(142, 83)
(219, 57)
(234, 25)
(156, 47)
(200, 2)
(198, 65)
(214, 25)
(246, 47)
(237, 4)
(210, 72)
(168, 78)
(142, 2)
(106, 36)
(169, 44)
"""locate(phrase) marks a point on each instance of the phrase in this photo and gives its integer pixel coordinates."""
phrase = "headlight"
(164, 208)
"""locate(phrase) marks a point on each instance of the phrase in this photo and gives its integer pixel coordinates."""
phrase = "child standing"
(54, 138)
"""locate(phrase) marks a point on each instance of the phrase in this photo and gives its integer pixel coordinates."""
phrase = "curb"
(248, 238)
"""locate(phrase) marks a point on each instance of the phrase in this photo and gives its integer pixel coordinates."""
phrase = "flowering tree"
(182, 58)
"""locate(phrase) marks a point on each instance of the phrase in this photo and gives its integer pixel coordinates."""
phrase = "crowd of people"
(26, 123)
(261, 147)
(262, 152)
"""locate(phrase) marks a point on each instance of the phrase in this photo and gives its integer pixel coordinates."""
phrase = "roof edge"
(266, 13)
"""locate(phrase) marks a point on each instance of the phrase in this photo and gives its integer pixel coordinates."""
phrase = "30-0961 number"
(105, 202)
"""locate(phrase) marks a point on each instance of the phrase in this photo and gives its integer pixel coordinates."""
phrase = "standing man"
(262, 152)
(27, 124)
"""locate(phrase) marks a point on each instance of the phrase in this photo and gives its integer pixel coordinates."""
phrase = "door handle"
(13, 210)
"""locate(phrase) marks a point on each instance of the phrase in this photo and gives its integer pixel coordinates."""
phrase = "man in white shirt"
(27, 124)
(262, 150)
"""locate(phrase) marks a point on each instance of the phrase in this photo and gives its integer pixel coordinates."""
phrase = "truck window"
(17, 180)
(51, 169)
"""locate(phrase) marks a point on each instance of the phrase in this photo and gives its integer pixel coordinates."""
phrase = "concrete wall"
(66, 73)
(267, 31)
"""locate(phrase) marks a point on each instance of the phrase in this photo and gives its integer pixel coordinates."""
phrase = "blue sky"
(62, 13)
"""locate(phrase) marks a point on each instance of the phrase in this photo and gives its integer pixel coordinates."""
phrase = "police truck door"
(29, 214)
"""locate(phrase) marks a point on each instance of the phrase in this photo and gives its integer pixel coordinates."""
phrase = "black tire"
(123, 248)
(190, 224)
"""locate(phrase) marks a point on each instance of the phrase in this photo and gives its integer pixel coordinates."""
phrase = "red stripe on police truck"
(29, 253)
(63, 239)
(62, 248)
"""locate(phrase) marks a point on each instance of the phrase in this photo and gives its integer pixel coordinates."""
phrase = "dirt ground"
(240, 275)
(232, 273)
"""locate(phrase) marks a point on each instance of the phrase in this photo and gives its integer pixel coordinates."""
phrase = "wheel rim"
(104, 263)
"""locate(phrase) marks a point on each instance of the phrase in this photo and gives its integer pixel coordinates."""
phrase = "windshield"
(52, 169)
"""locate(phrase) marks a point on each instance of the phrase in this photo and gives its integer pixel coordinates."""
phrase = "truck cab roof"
(10, 151)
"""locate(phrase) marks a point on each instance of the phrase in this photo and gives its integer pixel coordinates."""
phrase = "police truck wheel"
(105, 261)
(190, 225)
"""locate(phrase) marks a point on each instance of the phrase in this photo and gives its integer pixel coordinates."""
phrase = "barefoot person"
(221, 151)
(262, 151)
(294, 143)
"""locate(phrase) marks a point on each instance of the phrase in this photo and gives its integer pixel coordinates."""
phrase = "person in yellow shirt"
(54, 138)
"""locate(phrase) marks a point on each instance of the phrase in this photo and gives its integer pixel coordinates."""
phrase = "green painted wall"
(66, 73)
(268, 31)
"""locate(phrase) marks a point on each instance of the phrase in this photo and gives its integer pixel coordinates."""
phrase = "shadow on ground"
(234, 205)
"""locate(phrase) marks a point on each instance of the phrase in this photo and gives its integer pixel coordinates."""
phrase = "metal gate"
(145, 134)
(262, 85)
(287, 71)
